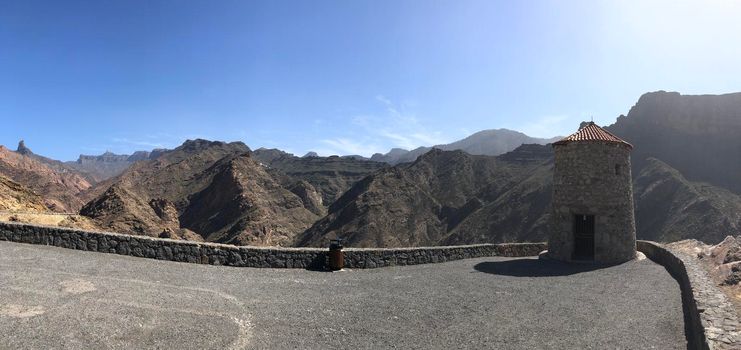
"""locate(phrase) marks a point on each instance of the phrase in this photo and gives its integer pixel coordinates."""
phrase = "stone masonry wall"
(380, 257)
(242, 256)
(710, 318)
(585, 182)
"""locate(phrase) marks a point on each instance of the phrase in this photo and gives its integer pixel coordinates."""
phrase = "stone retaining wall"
(381, 257)
(244, 256)
(710, 318)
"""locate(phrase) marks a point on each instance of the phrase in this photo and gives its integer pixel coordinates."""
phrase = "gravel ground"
(59, 298)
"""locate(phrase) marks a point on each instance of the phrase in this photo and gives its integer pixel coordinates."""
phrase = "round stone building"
(592, 217)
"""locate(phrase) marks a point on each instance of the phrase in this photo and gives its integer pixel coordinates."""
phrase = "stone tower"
(592, 216)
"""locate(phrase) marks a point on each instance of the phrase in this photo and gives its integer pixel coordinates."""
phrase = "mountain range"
(493, 186)
(486, 142)
(214, 191)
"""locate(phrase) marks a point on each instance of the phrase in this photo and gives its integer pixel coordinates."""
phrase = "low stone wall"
(164, 249)
(380, 257)
(244, 256)
(710, 319)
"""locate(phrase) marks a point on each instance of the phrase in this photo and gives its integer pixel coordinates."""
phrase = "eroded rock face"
(164, 209)
(244, 204)
(214, 190)
(671, 208)
(696, 134)
(722, 260)
(727, 256)
(311, 198)
(445, 197)
(722, 264)
(734, 277)
(15, 197)
(121, 210)
(22, 149)
(61, 188)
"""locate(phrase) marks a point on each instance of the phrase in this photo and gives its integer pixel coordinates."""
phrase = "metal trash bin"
(336, 255)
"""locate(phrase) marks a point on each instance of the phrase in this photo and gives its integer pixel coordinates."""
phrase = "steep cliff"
(698, 135)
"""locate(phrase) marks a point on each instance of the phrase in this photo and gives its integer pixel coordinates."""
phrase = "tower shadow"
(535, 267)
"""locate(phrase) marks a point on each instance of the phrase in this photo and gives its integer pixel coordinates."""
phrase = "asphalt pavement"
(54, 298)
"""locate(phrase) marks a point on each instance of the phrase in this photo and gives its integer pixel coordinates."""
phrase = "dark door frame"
(583, 234)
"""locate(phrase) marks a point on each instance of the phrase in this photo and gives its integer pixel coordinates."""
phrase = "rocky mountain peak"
(198, 145)
(22, 149)
(268, 155)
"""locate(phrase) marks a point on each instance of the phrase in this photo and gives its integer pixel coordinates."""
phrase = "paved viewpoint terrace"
(59, 298)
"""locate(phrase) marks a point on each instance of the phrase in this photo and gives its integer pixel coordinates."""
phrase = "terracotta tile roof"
(591, 132)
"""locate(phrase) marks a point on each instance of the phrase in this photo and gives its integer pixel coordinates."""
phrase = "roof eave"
(565, 142)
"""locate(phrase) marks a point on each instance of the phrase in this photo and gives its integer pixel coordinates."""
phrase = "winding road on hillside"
(57, 298)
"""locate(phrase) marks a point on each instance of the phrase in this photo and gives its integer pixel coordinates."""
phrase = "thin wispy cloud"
(348, 146)
(547, 126)
(125, 144)
(143, 143)
(397, 126)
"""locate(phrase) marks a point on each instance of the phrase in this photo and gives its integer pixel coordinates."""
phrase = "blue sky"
(343, 77)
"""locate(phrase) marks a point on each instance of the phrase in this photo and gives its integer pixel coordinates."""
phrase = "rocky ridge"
(215, 190)
(59, 186)
(428, 201)
(450, 197)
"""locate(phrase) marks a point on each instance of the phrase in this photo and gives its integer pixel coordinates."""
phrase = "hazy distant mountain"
(699, 135)
(487, 142)
(56, 165)
(93, 168)
(107, 165)
(331, 176)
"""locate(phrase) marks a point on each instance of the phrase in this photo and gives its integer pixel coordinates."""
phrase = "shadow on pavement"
(535, 268)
